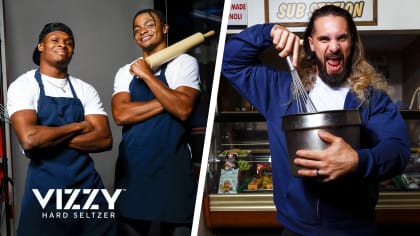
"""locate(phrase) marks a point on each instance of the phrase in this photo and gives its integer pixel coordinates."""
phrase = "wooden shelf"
(258, 210)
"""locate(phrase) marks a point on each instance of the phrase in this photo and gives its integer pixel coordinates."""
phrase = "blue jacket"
(345, 206)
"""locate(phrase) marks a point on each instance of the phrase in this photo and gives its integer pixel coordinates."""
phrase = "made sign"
(238, 15)
(298, 13)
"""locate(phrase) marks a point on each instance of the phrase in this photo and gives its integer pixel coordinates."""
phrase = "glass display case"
(240, 151)
(238, 183)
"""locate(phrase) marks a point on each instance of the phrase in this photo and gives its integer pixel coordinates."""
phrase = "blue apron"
(60, 168)
(154, 166)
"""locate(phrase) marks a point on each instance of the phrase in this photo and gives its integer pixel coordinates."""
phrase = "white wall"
(103, 43)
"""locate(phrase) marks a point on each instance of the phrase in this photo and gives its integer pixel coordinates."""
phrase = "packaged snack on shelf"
(230, 162)
(263, 168)
(255, 183)
(228, 181)
(267, 182)
(263, 180)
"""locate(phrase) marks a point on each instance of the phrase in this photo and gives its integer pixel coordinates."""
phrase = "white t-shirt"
(23, 93)
(181, 71)
(326, 98)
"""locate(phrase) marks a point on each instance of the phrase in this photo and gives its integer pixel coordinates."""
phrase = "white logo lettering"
(43, 200)
(91, 198)
(73, 194)
(111, 200)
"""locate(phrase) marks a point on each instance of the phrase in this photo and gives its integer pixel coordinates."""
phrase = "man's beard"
(61, 64)
(335, 79)
(149, 48)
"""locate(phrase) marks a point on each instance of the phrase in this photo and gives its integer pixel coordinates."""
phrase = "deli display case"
(238, 191)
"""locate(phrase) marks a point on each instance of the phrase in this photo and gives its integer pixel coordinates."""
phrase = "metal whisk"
(4, 116)
(300, 95)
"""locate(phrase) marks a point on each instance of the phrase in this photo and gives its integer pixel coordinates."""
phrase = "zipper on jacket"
(317, 209)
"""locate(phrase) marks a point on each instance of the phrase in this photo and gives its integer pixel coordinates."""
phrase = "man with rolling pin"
(154, 164)
(336, 190)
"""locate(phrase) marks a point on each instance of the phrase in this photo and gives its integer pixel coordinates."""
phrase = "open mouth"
(334, 64)
(146, 38)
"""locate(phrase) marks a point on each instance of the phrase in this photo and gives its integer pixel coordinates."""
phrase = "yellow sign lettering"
(291, 10)
(354, 8)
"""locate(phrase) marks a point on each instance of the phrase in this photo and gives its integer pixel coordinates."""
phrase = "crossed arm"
(90, 135)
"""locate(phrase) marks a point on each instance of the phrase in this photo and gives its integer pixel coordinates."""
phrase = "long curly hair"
(362, 74)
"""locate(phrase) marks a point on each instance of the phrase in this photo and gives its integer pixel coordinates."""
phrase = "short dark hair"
(48, 28)
(149, 11)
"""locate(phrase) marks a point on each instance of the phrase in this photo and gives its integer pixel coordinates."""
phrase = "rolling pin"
(176, 49)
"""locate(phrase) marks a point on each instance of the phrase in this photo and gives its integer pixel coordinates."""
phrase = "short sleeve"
(22, 94)
(122, 80)
(183, 71)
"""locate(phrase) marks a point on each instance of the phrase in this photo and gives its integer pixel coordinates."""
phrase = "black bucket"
(301, 130)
